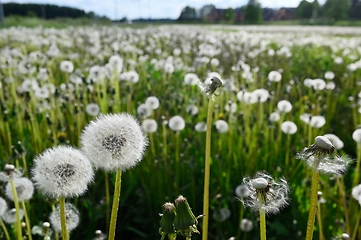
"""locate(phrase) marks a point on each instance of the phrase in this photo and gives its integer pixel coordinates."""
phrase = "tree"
(205, 10)
(253, 12)
(355, 11)
(336, 9)
(228, 15)
(188, 13)
(304, 10)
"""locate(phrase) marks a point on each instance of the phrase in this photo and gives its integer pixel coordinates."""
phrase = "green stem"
(116, 196)
(17, 214)
(4, 229)
(262, 218)
(319, 222)
(107, 200)
(177, 167)
(27, 221)
(207, 172)
(313, 203)
(64, 231)
(356, 227)
(343, 195)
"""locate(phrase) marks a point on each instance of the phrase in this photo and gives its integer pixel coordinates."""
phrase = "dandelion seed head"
(246, 225)
(274, 117)
(3, 206)
(192, 109)
(274, 194)
(289, 127)
(67, 66)
(284, 106)
(356, 135)
(144, 110)
(152, 102)
(149, 125)
(274, 76)
(200, 127)
(221, 214)
(24, 189)
(9, 216)
(72, 217)
(221, 126)
(176, 123)
(356, 193)
(336, 141)
(92, 109)
(62, 172)
(242, 191)
(114, 141)
(261, 94)
(210, 88)
(317, 121)
(190, 79)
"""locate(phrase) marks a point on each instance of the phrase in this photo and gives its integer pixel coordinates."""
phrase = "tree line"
(46, 11)
(332, 10)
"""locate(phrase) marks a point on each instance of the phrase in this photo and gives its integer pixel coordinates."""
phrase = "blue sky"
(152, 8)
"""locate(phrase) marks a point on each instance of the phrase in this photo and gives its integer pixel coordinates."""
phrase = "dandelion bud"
(209, 89)
(185, 222)
(168, 216)
(246, 225)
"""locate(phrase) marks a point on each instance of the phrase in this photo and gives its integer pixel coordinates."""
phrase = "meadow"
(282, 87)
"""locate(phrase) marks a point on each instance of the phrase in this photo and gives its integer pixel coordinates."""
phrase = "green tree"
(355, 11)
(304, 10)
(253, 12)
(188, 13)
(205, 10)
(336, 9)
(228, 15)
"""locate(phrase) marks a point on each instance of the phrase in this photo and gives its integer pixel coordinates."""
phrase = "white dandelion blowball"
(152, 102)
(24, 189)
(246, 225)
(92, 109)
(274, 117)
(289, 127)
(114, 142)
(66, 66)
(149, 125)
(284, 106)
(3, 206)
(10, 215)
(71, 215)
(356, 135)
(62, 171)
(221, 126)
(177, 123)
(221, 215)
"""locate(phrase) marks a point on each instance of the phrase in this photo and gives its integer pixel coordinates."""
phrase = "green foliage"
(336, 9)
(228, 15)
(253, 12)
(304, 10)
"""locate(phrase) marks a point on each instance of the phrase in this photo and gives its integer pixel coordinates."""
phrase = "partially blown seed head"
(71, 216)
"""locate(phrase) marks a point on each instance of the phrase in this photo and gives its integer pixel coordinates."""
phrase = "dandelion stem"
(17, 213)
(262, 218)
(116, 196)
(64, 231)
(342, 193)
(207, 172)
(313, 202)
(4, 229)
(107, 200)
(357, 225)
(319, 222)
(27, 221)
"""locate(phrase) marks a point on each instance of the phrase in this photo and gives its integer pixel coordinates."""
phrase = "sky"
(116, 9)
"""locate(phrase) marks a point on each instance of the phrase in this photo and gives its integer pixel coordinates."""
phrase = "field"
(53, 82)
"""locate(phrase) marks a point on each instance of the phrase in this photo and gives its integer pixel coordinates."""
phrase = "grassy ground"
(12, 21)
(65, 22)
